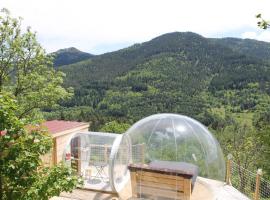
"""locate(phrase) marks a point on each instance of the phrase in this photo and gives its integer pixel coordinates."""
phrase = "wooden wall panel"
(61, 143)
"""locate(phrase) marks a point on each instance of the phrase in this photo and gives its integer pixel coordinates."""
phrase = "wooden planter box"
(163, 180)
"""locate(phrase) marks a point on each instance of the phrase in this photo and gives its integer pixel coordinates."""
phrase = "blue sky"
(99, 26)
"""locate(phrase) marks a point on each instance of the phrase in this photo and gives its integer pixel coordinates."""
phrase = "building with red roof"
(62, 132)
(59, 127)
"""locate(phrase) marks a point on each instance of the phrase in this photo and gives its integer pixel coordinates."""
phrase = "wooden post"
(88, 173)
(133, 175)
(105, 153)
(258, 182)
(79, 161)
(143, 153)
(228, 169)
(187, 189)
(54, 152)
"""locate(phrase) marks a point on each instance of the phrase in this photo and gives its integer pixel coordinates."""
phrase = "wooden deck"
(200, 192)
(204, 189)
(79, 194)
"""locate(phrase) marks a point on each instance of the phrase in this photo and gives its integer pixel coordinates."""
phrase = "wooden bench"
(163, 180)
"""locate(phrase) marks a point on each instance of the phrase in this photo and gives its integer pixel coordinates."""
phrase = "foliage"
(25, 69)
(115, 127)
(27, 75)
(262, 23)
(243, 142)
(262, 125)
(22, 175)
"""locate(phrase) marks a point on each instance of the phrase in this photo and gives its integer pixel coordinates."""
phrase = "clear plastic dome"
(172, 137)
(170, 140)
(119, 164)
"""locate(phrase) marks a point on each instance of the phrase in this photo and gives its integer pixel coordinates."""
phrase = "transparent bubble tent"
(106, 160)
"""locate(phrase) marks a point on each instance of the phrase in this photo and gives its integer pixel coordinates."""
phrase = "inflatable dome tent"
(159, 139)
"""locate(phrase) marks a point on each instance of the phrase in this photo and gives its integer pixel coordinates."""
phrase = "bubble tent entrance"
(92, 155)
(106, 157)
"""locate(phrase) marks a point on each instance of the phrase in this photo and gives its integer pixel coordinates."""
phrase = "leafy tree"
(25, 69)
(262, 124)
(21, 174)
(115, 127)
(262, 23)
(244, 143)
(26, 74)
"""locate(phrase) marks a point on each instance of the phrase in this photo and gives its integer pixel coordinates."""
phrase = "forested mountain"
(176, 72)
(252, 48)
(69, 56)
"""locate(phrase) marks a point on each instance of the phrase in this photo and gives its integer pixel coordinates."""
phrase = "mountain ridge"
(192, 45)
(176, 72)
(245, 46)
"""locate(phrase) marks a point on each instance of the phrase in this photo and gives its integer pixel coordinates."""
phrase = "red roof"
(56, 126)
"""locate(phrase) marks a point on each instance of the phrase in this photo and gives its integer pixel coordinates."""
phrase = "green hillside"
(176, 72)
(252, 48)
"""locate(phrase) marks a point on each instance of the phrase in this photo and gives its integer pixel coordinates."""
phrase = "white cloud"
(88, 23)
(264, 36)
(249, 34)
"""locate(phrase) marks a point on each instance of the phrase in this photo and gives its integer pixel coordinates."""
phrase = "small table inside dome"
(100, 170)
(165, 179)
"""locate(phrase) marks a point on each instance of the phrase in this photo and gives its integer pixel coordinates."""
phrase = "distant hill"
(180, 72)
(69, 55)
(216, 55)
(110, 65)
(253, 48)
